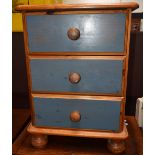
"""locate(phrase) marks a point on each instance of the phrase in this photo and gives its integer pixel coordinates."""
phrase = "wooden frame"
(77, 9)
(127, 46)
(35, 56)
(27, 64)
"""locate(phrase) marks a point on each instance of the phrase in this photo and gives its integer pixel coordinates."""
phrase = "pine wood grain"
(79, 133)
(43, 7)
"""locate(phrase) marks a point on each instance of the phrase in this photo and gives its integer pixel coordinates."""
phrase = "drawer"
(77, 74)
(76, 33)
(77, 112)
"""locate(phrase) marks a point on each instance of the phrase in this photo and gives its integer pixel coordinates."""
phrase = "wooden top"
(57, 7)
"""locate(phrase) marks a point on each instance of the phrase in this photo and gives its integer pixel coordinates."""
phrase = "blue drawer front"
(95, 114)
(97, 76)
(98, 32)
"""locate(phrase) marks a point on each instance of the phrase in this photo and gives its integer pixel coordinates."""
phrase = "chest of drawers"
(77, 62)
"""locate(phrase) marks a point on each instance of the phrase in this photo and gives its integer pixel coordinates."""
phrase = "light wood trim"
(27, 64)
(83, 53)
(127, 51)
(127, 61)
(126, 32)
(79, 57)
(109, 98)
(79, 133)
(78, 93)
(43, 7)
(124, 84)
(75, 12)
(77, 129)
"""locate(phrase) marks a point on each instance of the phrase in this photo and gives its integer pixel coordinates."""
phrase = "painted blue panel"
(95, 114)
(99, 32)
(97, 76)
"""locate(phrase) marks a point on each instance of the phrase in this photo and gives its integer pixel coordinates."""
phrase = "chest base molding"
(80, 133)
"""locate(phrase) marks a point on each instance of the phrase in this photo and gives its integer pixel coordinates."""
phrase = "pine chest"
(77, 63)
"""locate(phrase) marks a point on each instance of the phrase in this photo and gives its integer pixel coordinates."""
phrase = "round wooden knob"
(73, 34)
(75, 116)
(74, 78)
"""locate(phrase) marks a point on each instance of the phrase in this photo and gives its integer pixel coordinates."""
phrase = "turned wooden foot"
(39, 141)
(116, 146)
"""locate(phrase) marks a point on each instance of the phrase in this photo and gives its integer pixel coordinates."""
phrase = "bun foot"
(116, 146)
(39, 141)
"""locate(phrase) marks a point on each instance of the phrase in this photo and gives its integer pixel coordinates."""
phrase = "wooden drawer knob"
(75, 116)
(74, 78)
(73, 34)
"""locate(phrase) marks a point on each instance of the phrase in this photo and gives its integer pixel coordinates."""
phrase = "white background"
(5, 77)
